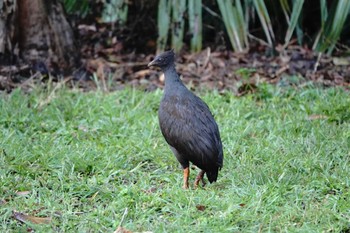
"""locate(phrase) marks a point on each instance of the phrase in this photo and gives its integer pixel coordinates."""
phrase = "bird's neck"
(172, 79)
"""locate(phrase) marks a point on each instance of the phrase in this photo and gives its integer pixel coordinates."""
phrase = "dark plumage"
(187, 124)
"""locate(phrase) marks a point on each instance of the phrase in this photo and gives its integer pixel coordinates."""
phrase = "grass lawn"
(81, 159)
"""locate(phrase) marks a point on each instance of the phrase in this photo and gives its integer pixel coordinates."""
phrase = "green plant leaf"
(297, 7)
(164, 11)
(195, 23)
(265, 20)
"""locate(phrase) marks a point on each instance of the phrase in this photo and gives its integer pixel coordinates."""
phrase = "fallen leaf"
(200, 207)
(151, 190)
(341, 61)
(317, 117)
(25, 218)
(87, 27)
(94, 196)
(122, 230)
(22, 193)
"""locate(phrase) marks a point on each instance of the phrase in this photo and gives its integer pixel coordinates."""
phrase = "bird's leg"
(186, 176)
(199, 178)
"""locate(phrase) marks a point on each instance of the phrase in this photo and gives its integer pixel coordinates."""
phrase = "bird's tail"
(212, 175)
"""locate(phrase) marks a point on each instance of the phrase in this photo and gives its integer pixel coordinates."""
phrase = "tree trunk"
(7, 29)
(42, 35)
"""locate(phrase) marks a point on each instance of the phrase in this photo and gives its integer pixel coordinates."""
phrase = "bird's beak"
(151, 63)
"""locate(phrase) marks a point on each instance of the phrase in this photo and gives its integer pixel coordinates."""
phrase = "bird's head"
(163, 60)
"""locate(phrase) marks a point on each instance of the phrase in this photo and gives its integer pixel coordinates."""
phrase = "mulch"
(107, 67)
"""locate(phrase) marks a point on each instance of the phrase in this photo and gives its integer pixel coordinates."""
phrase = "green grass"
(85, 157)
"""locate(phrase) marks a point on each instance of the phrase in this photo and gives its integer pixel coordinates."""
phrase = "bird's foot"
(196, 183)
(200, 177)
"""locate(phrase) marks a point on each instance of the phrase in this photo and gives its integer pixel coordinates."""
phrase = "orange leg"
(199, 178)
(186, 176)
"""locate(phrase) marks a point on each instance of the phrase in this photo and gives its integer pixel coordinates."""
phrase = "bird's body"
(188, 125)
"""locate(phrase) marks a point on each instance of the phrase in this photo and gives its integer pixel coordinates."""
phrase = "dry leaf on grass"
(22, 193)
(28, 218)
(150, 190)
(317, 117)
(122, 230)
(200, 207)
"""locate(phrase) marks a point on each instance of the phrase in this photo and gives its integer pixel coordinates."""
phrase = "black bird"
(187, 124)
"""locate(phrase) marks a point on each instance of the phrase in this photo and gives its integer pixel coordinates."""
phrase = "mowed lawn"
(75, 162)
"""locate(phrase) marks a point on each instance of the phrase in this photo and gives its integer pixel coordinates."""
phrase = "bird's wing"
(188, 125)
